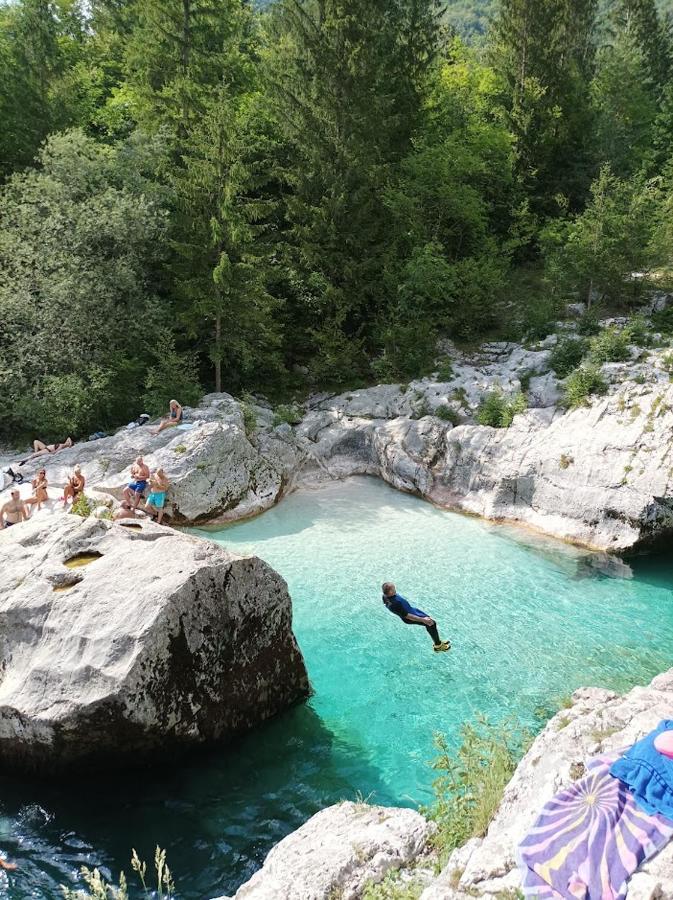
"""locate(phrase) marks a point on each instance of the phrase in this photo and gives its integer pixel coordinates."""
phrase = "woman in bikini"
(75, 486)
(40, 485)
(174, 417)
(40, 448)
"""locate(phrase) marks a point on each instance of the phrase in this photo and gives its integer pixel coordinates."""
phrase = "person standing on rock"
(14, 511)
(156, 501)
(140, 474)
(397, 605)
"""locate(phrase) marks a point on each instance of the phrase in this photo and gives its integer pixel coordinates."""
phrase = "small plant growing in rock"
(421, 410)
(288, 414)
(610, 345)
(180, 449)
(498, 411)
(459, 395)
(566, 461)
(249, 419)
(82, 506)
(445, 370)
(588, 322)
(567, 355)
(447, 414)
(638, 331)
(581, 384)
(471, 781)
(667, 364)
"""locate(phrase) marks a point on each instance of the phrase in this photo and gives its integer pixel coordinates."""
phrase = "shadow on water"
(217, 814)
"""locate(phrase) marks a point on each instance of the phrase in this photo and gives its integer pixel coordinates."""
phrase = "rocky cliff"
(599, 475)
(120, 643)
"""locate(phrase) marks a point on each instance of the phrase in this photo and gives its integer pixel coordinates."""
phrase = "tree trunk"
(218, 352)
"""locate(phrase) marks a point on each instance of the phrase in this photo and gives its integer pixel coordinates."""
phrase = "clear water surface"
(530, 620)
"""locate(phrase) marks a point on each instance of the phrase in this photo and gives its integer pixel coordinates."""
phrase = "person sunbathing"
(75, 486)
(140, 474)
(14, 511)
(156, 501)
(40, 448)
(174, 417)
(40, 494)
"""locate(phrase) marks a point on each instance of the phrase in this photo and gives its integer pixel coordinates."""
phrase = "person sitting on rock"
(156, 501)
(40, 494)
(40, 448)
(411, 616)
(140, 474)
(75, 486)
(127, 511)
(174, 417)
(14, 511)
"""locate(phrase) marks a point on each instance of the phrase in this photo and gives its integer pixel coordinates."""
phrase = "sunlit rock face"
(121, 644)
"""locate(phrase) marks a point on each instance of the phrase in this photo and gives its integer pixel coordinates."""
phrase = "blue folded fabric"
(648, 774)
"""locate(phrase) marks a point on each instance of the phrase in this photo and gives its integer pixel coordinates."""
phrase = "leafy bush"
(287, 414)
(393, 888)
(663, 320)
(82, 506)
(249, 418)
(471, 780)
(447, 414)
(638, 331)
(499, 411)
(445, 370)
(567, 355)
(588, 322)
(610, 345)
(581, 384)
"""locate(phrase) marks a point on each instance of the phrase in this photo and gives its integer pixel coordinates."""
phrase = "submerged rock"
(337, 853)
(119, 644)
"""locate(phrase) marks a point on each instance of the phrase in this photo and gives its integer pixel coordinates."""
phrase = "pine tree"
(345, 82)
(641, 18)
(544, 53)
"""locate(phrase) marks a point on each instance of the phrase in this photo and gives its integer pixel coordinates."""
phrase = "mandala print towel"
(589, 839)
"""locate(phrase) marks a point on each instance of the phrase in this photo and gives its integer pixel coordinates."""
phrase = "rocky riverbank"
(343, 848)
(119, 645)
(600, 475)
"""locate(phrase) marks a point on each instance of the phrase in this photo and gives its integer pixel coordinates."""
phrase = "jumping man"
(411, 616)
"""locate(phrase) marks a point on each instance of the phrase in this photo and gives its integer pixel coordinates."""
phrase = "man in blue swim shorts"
(136, 487)
(397, 605)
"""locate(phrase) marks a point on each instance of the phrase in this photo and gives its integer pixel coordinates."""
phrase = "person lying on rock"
(40, 485)
(75, 486)
(14, 511)
(156, 501)
(40, 448)
(127, 511)
(174, 417)
(140, 474)
(411, 616)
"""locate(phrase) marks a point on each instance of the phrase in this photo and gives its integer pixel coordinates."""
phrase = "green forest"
(210, 195)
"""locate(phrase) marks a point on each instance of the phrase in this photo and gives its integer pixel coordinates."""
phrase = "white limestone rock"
(598, 721)
(337, 852)
(160, 642)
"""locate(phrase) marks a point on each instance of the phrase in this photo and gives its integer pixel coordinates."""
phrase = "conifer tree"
(544, 53)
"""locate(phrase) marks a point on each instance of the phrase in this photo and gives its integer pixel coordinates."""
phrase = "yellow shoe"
(443, 647)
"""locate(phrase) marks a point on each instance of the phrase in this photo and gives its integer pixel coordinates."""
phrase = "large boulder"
(119, 643)
(338, 852)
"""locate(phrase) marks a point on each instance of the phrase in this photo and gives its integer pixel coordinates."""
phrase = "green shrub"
(249, 419)
(498, 411)
(471, 780)
(663, 320)
(610, 345)
(447, 414)
(567, 355)
(287, 414)
(82, 506)
(638, 331)
(524, 379)
(588, 322)
(445, 371)
(392, 888)
(581, 384)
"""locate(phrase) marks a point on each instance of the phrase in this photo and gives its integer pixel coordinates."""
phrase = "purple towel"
(589, 839)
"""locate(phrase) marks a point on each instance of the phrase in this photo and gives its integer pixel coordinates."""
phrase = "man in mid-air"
(412, 616)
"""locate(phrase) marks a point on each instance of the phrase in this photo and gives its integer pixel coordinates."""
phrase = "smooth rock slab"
(162, 642)
(337, 852)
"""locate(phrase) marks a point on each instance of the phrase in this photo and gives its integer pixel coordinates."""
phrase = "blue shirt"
(401, 607)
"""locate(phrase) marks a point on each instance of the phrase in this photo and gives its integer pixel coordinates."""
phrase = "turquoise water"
(530, 620)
